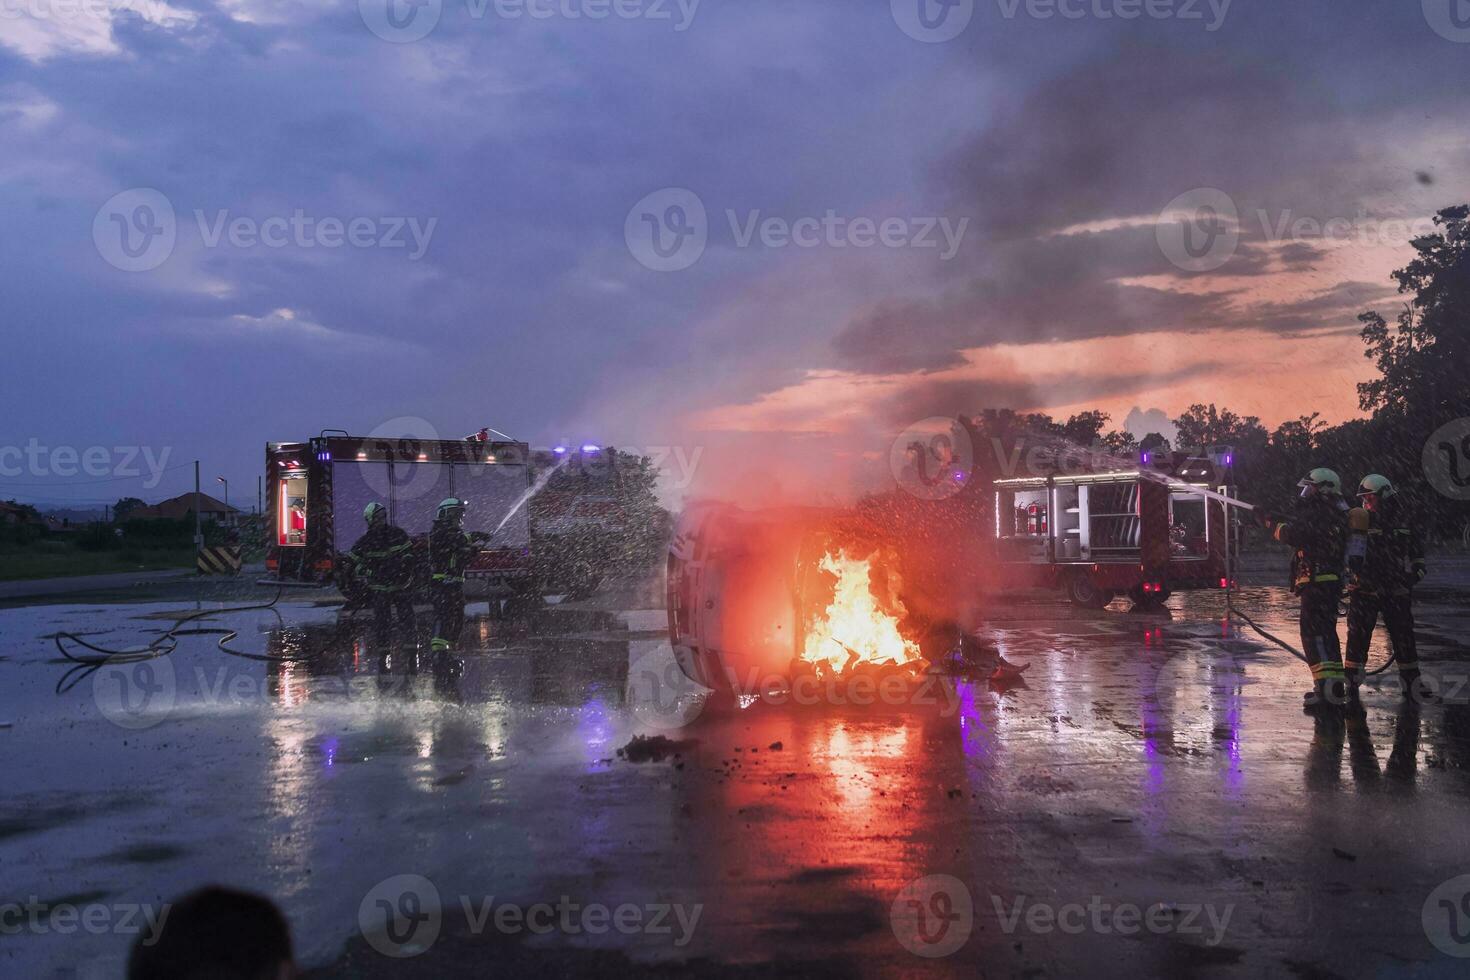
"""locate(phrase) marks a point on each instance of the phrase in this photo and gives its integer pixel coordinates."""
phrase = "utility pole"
(259, 498)
(198, 529)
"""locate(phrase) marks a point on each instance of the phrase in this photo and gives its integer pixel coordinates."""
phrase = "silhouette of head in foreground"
(217, 933)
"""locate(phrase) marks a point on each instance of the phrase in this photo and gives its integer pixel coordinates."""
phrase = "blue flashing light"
(560, 450)
(590, 448)
(1146, 458)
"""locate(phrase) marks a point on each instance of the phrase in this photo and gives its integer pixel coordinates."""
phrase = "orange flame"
(855, 622)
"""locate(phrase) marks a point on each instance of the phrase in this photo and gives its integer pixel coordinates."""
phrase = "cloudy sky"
(762, 232)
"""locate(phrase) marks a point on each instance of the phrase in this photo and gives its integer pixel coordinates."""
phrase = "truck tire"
(1085, 593)
(1147, 601)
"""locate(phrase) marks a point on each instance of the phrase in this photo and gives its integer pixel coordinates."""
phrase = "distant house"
(13, 515)
(181, 507)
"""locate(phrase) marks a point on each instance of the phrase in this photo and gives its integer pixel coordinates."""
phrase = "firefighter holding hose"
(450, 552)
(1385, 562)
(384, 559)
(1317, 528)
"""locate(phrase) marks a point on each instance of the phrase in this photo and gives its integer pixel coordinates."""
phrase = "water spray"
(536, 488)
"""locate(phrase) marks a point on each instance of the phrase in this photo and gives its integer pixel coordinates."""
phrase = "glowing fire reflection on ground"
(858, 627)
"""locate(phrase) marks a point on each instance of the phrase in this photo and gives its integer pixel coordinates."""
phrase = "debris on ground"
(1346, 856)
(1006, 672)
(655, 748)
(776, 746)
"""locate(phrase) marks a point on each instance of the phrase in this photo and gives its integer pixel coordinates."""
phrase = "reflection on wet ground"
(1145, 759)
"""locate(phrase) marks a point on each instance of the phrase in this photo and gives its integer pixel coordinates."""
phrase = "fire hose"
(162, 646)
(1237, 611)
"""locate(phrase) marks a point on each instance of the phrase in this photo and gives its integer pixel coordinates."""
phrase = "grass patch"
(55, 559)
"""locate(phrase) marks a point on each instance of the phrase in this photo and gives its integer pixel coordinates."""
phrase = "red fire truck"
(1143, 533)
(316, 492)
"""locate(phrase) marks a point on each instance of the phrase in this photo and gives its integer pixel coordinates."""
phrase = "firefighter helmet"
(1374, 484)
(451, 504)
(374, 512)
(1322, 479)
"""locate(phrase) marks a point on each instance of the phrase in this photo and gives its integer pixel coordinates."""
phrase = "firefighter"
(384, 560)
(1317, 528)
(450, 551)
(1385, 562)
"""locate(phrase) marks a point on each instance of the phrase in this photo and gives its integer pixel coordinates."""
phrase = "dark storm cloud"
(1276, 110)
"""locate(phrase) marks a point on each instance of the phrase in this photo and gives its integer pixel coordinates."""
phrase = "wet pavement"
(1150, 801)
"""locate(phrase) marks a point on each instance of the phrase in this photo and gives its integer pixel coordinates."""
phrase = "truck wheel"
(1085, 593)
(1146, 601)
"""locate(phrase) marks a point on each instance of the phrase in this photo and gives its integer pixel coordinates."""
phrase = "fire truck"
(1143, 533)
(317, 490)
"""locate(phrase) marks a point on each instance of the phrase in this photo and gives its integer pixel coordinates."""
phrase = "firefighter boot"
(1325, 695)
(1414, 687)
